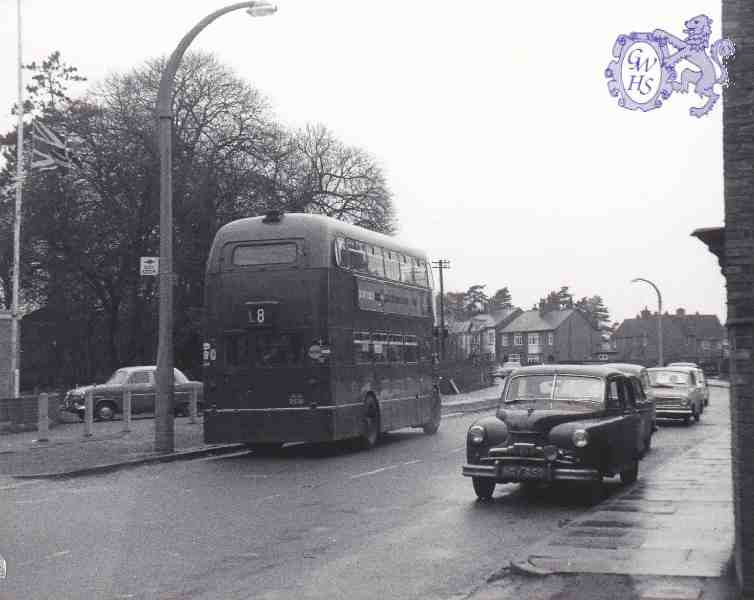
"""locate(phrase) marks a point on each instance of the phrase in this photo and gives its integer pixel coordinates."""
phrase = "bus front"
(265, 349)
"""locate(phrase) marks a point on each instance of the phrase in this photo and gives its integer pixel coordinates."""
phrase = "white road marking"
(453, 414)
(456, 450)
(383, 469)
(57, 554)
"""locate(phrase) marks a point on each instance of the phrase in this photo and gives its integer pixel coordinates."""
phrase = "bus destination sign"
(262, 314)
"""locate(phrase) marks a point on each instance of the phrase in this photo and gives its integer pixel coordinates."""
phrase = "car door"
(696, 392)
(633, 420)
(142, 391)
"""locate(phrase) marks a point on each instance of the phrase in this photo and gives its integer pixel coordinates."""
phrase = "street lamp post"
(659, 317)
(164, 425)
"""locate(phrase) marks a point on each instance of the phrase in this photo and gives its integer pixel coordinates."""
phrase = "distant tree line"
(459, 306)
(86, 225)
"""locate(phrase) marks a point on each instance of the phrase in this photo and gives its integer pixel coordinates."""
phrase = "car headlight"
(476, 435)
(580, 438)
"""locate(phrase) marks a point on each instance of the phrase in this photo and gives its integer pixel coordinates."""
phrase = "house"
(685, 338)
(478, 337)
(551, 333)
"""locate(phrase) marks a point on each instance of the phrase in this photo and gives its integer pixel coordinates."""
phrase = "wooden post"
(88, 412)
(127, 409)
(43, 424)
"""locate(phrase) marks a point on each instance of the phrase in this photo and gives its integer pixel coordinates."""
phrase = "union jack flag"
(48, 150)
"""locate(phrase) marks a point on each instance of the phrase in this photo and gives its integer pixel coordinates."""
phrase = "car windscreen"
(668, 379)
(120, 376)
(569, 392)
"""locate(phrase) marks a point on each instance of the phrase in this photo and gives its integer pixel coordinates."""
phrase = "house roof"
(532, 320)
(698, 326)
(501, 314)
(479, 322)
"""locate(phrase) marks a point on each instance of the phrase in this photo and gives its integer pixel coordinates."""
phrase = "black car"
(558, 423)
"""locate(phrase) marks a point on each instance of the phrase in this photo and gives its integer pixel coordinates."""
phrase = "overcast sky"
(505, 152)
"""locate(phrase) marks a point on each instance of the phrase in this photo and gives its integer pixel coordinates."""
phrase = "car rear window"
(668, 379)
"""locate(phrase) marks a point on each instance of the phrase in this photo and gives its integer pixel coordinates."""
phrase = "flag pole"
(14, 335)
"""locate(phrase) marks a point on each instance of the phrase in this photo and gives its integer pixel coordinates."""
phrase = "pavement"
(669, 536)
(67, 453)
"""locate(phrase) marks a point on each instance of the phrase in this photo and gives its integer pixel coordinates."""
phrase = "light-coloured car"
(676, 392)
(108, 396)
(701, 378)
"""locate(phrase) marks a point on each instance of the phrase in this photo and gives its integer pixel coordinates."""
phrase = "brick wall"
(738, 160)
(5, 378)
(574, 339)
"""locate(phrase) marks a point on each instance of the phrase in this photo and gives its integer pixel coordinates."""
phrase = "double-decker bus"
(316, 330)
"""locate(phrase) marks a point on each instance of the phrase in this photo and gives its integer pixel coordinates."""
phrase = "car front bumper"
(674, 412)
(516, 470)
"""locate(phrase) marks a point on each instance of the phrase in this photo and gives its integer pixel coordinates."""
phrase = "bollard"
(43, 424)
(89, 412)
(193, 405)
(126, 410)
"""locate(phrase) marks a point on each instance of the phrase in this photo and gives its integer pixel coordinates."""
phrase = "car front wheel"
(483, 487)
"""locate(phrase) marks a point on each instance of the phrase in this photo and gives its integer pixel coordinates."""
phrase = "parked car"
(644, 395)
(677, 392)
(558, 423)
(108, 396)
(701, 379)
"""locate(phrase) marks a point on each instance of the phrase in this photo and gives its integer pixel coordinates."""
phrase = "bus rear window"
(263, 349)
(264, 254)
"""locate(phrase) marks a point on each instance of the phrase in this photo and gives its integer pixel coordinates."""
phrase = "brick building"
(734, 247)
(685, 338)
(549, 334)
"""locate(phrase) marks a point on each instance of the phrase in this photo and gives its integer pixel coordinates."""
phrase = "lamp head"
(261, 9)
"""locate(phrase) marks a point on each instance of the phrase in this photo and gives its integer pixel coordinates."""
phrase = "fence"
(31, 412)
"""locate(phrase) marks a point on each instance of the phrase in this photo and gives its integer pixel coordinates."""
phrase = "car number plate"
(523, 473)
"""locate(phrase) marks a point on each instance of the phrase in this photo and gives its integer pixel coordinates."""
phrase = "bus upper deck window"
(354, 257)
(375, 262)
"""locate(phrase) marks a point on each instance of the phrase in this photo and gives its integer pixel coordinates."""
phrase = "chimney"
(541, 306)
(679, 312)
(645, 314)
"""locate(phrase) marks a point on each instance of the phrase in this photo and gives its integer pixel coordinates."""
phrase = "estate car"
(558, 423)
(701, 379)
(677, 393)
(108, 396)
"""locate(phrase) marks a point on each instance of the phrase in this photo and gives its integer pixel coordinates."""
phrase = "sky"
(505, 153)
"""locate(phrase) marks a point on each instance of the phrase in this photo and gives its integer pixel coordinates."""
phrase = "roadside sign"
(150, 265)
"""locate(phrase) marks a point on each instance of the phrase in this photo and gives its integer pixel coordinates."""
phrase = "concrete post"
(88, 412)
(126, 410)
(43, 424)
(193, 405)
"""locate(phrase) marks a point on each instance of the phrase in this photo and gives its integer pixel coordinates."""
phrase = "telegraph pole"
(441, 265)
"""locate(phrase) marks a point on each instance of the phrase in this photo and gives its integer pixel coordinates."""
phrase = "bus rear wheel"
(431, 426)
(370, 425)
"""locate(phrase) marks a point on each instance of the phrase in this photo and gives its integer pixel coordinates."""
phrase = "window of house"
(534, 359)
(706, 345)
(514, 358)
(518, 339)
(551, 339)
(504, 339)
(533, 339)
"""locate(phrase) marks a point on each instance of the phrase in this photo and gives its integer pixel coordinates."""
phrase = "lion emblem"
(643, 73)
(693, 49)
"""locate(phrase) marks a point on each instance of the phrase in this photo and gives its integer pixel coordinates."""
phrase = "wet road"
(308, 522)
